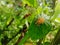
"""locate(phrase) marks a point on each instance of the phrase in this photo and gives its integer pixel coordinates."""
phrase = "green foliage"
(24, 39)
(17, 16)
(37, 31)
(57, 11)
(32, 3)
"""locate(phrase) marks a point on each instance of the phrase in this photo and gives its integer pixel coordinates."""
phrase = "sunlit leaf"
(33, 3)
(57, 11)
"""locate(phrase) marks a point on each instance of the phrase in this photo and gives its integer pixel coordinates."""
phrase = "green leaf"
(57, 11)
(39, 10)
(32, 2)
(39, 31)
